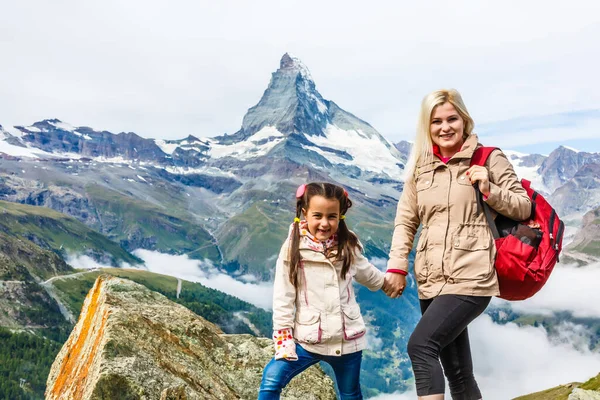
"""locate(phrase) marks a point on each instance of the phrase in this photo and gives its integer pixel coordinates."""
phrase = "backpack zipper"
(559, 234)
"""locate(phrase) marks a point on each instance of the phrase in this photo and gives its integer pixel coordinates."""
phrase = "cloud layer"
(509, 360)
(568, 289)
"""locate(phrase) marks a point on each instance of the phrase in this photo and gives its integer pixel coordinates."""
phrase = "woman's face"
(447, 129)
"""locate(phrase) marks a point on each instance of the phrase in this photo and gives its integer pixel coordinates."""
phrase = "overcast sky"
(169, 69)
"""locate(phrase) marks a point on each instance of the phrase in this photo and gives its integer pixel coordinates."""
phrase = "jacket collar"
(468, 148)
(466, 151)
(308, 241)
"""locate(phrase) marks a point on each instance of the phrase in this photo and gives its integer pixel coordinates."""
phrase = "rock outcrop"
(133, 343)
(581, 394)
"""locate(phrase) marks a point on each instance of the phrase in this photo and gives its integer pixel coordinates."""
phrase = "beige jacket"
(323, 312)
(455, 253)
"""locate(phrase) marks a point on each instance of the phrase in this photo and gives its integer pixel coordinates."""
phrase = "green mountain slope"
(32, 325)
(562, 392)
(138, 224)
(215, 306)
(60, 233)
(253, 236)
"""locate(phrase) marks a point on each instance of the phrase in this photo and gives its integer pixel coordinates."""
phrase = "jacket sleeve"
(284, 293)
(366, 273)
(507, 195)
(405, 226)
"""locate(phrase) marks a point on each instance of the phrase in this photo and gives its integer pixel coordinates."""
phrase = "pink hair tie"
(345, 193)
(300, 191)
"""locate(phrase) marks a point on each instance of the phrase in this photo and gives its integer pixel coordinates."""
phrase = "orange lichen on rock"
(131, 342)
(71, 380)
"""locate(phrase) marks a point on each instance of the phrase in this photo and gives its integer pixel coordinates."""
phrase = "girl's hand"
(480, 174)
(394, 284)
(285, 347)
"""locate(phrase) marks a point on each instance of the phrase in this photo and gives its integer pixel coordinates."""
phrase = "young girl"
(315, 314)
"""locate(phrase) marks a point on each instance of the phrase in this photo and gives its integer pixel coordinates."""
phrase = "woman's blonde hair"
(423, 145)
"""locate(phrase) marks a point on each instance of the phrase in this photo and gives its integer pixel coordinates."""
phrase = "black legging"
(441, 334)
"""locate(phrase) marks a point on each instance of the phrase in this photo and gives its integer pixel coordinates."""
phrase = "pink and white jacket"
(323, 313)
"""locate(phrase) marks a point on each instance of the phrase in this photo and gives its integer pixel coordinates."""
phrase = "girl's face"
(447, 128)
(323, 217)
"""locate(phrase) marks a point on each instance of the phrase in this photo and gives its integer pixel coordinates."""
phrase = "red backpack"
(526, 250)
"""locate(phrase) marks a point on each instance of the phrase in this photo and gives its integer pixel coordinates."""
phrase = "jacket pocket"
(307, 327)
(424, 181)
(471, 256)
(421, 264)
(353, 323)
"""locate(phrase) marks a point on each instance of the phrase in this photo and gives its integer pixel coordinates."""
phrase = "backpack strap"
(486, 210)
(480, 156)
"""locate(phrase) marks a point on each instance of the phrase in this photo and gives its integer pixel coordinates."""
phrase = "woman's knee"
(418, 347)
(412, 347)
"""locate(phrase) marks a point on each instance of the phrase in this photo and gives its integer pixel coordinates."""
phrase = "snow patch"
(167, 148)
(368, 154)
(202, 170)
(18, 151)
(64, 126)
(248, 148)
(529, 173)
(81, 135)
(13, 131)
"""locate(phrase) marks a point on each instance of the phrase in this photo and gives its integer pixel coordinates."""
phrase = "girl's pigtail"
(294, 251)
(347, 241)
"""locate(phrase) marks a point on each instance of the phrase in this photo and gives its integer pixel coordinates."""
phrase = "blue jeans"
(278, 373)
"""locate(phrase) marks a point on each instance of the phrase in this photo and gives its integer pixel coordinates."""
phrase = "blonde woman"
(454, 263)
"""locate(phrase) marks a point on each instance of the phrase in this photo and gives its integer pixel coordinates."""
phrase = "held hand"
(394, 284)
(480, 174)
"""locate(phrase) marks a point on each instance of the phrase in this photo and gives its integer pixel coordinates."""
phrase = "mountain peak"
(291, 103)
(287, 61)
(292, 64)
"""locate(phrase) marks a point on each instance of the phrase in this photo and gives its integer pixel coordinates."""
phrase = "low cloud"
(511, 360)
(246, 287)
(568, 289)
(81, 261)
(204, 272)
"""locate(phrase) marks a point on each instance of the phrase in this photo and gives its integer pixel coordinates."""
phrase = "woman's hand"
(394, 284)
(480, 174)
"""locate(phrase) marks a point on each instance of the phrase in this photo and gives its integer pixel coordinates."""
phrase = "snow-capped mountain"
(291, 135)
(291, 120)
(563, 164)
(292, 114)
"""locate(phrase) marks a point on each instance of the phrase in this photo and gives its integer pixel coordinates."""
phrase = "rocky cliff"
(586, 243)
(132, 343)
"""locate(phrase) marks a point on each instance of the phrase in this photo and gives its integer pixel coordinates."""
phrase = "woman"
(454, 264)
